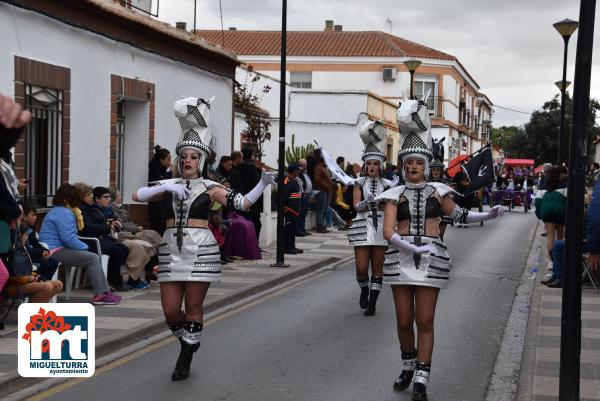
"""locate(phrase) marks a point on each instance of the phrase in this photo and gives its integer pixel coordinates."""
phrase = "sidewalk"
(541, 357)
(139, 315)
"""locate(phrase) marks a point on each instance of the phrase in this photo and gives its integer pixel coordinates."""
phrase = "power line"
(513, 110)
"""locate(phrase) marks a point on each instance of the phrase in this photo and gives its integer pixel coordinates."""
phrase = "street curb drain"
(504, 380)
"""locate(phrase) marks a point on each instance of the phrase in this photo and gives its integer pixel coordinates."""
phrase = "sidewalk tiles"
(544, 343)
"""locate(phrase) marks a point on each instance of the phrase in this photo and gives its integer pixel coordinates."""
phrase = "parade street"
(311, 341)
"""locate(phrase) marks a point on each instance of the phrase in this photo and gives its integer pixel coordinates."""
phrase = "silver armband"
(459, 215)
(235, 201)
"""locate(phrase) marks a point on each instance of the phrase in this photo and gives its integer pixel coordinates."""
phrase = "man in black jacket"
(291, 208)
(250, 176)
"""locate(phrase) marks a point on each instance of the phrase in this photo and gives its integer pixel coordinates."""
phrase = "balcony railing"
(433, 104)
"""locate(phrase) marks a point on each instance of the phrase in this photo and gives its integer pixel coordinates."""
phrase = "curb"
(13, 382)
(504, 380)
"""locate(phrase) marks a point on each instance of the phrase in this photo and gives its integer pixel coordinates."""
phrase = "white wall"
(92, 58)
(331, 119)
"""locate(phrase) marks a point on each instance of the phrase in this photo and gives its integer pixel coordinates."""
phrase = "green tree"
(258, 125)
(539, 139)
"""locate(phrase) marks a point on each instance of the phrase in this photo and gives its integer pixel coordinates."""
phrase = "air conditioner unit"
(389, 74)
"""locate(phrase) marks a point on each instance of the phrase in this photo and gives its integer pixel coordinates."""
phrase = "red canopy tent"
(518, 162)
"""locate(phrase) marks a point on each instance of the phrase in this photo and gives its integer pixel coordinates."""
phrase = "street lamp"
(412, 66)
(565, 28)
(562, 85)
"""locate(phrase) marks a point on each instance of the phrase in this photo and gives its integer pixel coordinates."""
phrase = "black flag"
(480, 170)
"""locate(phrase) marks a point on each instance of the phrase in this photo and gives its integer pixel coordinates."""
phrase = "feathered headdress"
(373, 135)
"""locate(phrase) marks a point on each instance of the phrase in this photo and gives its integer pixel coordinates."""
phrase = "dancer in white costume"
(366, 232)
(189, 258)
(417, 261)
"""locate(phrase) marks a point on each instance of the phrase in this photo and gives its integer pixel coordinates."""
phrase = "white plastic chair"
(588, 272)
(74, 272)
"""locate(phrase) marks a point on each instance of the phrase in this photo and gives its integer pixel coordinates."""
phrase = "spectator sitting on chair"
(39, 252)
(97, 226)
(23, 280)
(139, 251)
(133, 231)
(59, 232)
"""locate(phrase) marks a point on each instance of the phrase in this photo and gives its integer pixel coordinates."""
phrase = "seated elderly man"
(592, 244)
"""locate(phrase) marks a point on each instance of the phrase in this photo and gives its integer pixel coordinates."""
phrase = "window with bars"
(43, 141)
(420, 90)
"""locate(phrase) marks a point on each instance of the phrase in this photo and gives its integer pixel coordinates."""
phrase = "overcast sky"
(510, 47)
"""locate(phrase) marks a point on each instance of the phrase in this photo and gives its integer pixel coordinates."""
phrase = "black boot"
(373, 295)
(409, 361)
(363, 283)
(420, 381)
(190, 342)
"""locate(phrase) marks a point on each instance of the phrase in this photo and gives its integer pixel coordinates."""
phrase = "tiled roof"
(316, 43)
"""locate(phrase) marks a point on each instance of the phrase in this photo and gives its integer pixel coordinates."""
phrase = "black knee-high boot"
(409, 362)
(190, 342)
(375, 289)
(420, 381)
(363, 283)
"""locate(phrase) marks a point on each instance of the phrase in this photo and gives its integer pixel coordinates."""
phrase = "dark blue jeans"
(321, 204)
(558, 260)
(301, 227)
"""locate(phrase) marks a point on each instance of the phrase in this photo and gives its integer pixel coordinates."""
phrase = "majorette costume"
(416, 255)
(191, 253)
(367, 227)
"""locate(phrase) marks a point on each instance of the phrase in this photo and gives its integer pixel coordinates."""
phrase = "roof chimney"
(232, 28)
(337, 28)
(181, 25)
(329, 25)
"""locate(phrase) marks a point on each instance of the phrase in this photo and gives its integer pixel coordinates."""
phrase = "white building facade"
(101, 81)
(373, 61)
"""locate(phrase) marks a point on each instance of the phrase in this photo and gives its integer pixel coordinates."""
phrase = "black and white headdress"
(194, 117)
(415, 130)
(373, 135)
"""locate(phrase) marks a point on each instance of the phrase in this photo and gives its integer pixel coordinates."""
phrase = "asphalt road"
(311, 342)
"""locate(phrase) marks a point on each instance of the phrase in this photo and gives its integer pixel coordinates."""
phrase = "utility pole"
(280, 262)
(570, 333)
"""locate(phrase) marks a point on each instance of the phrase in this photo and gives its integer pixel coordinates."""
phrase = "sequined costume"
(367, 226)
(419, 204)
(197, 257)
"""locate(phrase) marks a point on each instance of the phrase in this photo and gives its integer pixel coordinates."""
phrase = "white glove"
(146, 193)
(395, 181)
(429, 248)
(364, 205)
(268, 178)
(477, 217)
(265, 180)
(404, 244)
